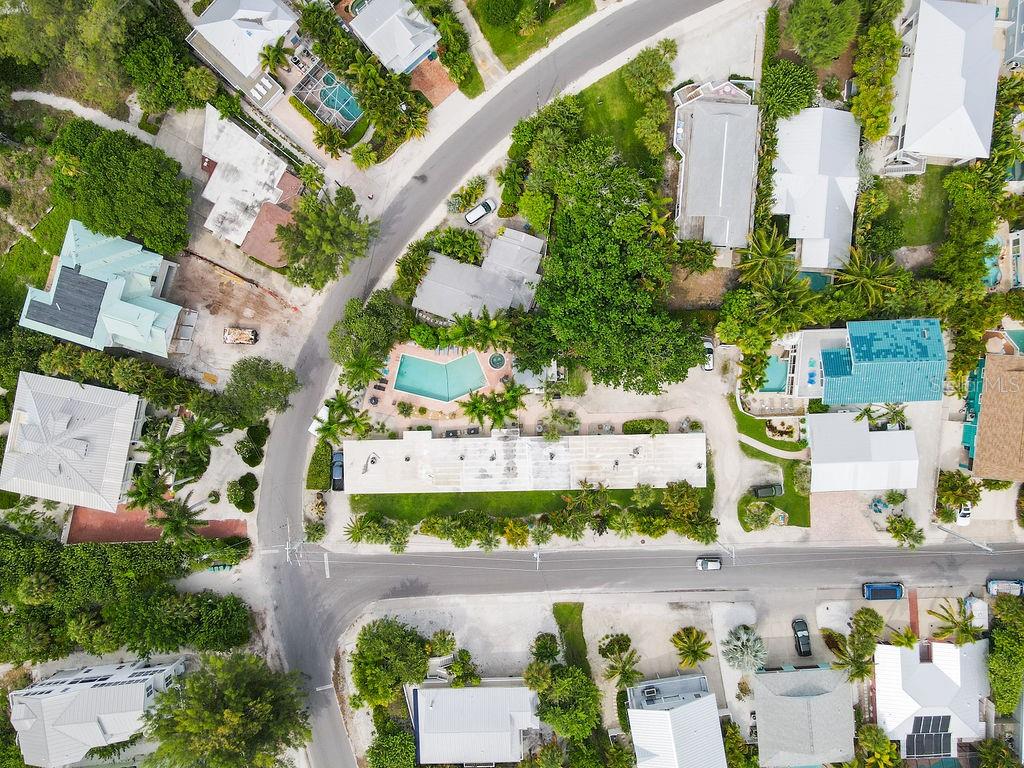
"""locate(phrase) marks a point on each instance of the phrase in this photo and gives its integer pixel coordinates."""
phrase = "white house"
(70, 442)
(816, 180)
(674, 724)
(481, 725)
(847, 456)
(946, 86)
(59, 719)
(397, 32)
(930, 698)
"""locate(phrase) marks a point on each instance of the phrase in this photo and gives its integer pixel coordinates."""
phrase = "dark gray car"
(338, 471)
(802, 636)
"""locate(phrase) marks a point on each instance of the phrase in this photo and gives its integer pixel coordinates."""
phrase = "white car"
(963, 515)
(709, 563)
(709, 356)
(486, 207)
(1004, 587)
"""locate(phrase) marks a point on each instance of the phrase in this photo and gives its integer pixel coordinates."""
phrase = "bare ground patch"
(700, 291)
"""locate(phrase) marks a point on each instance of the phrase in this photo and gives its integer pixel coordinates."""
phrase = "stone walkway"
(490, 66)
(93, 115)
(801, 455)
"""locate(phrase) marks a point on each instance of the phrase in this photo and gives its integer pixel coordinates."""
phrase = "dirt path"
(93, 115)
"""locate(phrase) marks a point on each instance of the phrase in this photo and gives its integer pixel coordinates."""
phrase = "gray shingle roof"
(76, 303)
(804, 717)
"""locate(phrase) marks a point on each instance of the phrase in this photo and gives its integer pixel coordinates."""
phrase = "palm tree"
(275, 56)
(955, 489)
(743, 649)
(867, 413)
(149, 488)
(161, 449)
(201, 434)
(312, 177)
(178, 520)
(417, 121)
(537, 675)
(853, 658)
(692, 645)
(904, 531)
(957, 625)
(767, 251)
(365, 71)
(867, 280)
(476, 407)
(330, 138)
(622, 668)
(877, 750)
(463, 331)
(903, 638)
(361, 367)
(895, 414)
(493, 332)
(781, 293)
(658, 218)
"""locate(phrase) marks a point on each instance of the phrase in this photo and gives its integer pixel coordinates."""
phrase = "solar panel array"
(930, 737)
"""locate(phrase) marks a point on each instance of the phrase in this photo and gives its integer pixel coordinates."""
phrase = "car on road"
(963, 515)
(766, 491)
(709, 563)
(882, 590)
(802, 637)
(1005, 587)
(477, 213)
(709, 355)
(338, 471)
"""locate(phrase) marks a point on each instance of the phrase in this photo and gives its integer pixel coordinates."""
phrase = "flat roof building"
(507, 461)
(506, 278)
(847, 456)
(674, 723)
(999, 440)
(481, 725)
(929, 697)
(59, 719)
(70, 442)
(397, 32)
(804, 717)
(230, 35)
(105, 293)
(816, 180)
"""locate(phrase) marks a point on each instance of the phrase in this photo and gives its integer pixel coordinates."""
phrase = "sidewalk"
(491, 68)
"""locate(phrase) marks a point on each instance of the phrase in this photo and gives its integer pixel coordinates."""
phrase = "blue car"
(882, 590)
(338, 471)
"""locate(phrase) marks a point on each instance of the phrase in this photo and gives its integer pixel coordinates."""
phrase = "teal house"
(105, 293)
(886, 361)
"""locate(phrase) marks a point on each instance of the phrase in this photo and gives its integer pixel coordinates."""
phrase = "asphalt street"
(310, 610)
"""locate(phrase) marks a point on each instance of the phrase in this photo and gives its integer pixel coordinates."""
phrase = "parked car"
(802, 637)
(477, 213)
(963, 515)
(882, 590)
(338, 471)
(709, 355)
(766, 491)
(1005, 587)
(709, 563)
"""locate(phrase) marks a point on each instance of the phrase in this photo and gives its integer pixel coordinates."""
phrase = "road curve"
(306, 627)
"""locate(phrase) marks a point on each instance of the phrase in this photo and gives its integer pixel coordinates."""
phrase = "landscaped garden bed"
(506, 40)
(796, 504)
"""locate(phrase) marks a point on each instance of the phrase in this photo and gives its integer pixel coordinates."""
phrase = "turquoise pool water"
(336, 95)
(775, 375)
(439, 381)
(819, 281)
(994, 274)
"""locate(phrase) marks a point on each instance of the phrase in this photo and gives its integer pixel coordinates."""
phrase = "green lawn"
(51, 229)
(473, 85)
(797, 506)
(569, 617)
(920, 204)
(512, 48)
(610, 110)
(752, 427)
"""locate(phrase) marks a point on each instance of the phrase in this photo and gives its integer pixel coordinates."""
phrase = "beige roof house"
(999, 445)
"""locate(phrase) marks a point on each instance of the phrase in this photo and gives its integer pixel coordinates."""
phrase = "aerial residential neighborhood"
(520, 383)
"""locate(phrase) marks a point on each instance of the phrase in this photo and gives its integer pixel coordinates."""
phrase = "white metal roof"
(68, 442)
(846, 456)
(482, 724)
(686, 736)
(245, 178)
(505, 461)
(396, 31)
(240, 29)
(816, 182)
(952, 684)
(953, 83)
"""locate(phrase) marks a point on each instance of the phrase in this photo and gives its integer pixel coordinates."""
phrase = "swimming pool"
(439, 381)
(818, 280)
(776, 375)
(994, 274)
(336, 95)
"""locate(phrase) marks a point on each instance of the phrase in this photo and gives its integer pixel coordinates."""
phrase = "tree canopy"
(256, 387)
(388, 654)
(234, 712)
(571, 704)
(116, 185)
(324, 238)
(823, 29)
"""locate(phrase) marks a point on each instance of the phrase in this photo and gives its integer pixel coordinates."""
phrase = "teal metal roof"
(102, 296)
(886, 361)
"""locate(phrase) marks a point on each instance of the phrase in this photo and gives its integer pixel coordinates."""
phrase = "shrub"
(315, 530)
(878, 55)
(645, 427)
(822, 29)
(545, 648)
(831, 89)
(199, 6)
(802, 478)
(786, 88)
(759, 515)
(816, 406)
(249, 452)
(249, 482)
(213, 497)
(404, 408)
(1020, 506)
(5, 197)
(499, 13)
(459, 244)
(258, 433)
(442, 643)
(318, 475)
(241, 493)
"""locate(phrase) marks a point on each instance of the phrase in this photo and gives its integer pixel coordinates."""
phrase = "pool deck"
(390, 397)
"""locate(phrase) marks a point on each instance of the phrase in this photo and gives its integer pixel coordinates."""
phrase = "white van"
(486, 207)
